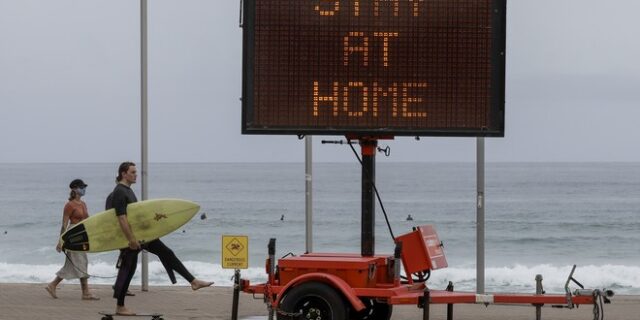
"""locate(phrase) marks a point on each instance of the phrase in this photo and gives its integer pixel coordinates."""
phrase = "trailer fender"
(332, 280)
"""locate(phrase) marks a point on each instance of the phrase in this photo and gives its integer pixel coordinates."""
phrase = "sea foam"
(514, 278)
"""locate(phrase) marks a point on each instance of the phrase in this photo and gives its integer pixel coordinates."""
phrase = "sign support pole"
(236, 295)
(308, 160)
(480, 216)
(144, 127)
(368, 220)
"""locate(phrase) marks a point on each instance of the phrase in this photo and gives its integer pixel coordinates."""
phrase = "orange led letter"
(391, 91)
(416, 12)
(376, 7)
(385, 45)
(330, 12)
(365, 99)
(334, 99)
(406, 100)
(348, 49)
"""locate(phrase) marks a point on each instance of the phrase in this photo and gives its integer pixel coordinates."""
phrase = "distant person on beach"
(75, 264)
(282, 218)
(409, 218)
(121, 196)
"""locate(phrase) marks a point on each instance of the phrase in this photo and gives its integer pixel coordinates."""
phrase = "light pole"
(144, 127)
(480, 215)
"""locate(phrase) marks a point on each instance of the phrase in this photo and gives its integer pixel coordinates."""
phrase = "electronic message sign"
(374, 67)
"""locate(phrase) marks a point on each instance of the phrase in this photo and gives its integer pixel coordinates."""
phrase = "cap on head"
(77, 183)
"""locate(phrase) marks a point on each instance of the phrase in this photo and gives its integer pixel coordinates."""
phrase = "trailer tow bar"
(600, 297)
(566, 287)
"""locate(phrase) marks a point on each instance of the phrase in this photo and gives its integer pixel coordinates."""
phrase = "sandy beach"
(31, 301)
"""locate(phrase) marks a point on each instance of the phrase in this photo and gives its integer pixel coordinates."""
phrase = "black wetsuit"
(119, 199)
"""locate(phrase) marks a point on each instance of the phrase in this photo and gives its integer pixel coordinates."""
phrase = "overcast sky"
(70, 85)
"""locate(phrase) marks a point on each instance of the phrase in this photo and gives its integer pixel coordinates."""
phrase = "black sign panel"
(374, 67)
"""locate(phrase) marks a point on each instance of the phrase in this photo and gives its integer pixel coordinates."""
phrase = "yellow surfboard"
(149, 220)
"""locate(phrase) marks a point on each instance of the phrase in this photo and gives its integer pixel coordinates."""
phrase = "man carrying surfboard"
(121, 196)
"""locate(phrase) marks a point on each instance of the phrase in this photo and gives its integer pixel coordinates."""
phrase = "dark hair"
(123, 168)
(72, 195)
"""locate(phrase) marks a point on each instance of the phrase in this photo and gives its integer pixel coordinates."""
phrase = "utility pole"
(144, 127)
(480, 215)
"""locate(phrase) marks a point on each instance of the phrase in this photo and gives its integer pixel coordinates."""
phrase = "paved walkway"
(31, 302)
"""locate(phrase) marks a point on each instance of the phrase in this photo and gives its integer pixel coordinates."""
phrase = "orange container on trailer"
(422, 250)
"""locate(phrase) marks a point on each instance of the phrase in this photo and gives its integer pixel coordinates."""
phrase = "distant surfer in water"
(121, 196)
(75, 264)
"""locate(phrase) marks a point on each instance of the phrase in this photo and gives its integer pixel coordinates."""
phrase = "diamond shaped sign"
(235, 252)
(235, 247)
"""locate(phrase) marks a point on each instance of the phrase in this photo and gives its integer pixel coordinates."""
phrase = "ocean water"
(541, 218)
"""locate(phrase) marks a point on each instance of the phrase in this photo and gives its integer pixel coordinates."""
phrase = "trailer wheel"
(374, 311)
(314, 300)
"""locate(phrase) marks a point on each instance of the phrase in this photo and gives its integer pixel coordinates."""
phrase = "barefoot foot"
(123, 311)
(199, 284)
(52, 291)
(89, 297)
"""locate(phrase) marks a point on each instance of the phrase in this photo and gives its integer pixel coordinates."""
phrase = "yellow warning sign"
(235, 252)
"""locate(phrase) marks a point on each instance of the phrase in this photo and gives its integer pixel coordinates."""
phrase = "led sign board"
(374, 67)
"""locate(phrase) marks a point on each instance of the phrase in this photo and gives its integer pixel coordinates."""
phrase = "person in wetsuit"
(122, 196)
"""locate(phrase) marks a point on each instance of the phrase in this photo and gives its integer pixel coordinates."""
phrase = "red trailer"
(341, 286)
(350, 286)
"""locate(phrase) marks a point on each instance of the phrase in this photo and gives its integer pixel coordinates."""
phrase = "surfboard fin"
(76, 239)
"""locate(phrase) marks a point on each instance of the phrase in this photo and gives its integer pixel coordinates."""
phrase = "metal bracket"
(568, 291)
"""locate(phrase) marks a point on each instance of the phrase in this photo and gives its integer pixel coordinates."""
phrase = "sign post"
(144, 107)
(235, 255)
(480, 251)
(308, 177)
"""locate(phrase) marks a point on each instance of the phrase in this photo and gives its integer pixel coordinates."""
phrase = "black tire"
(314, 300)
(374, 311)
